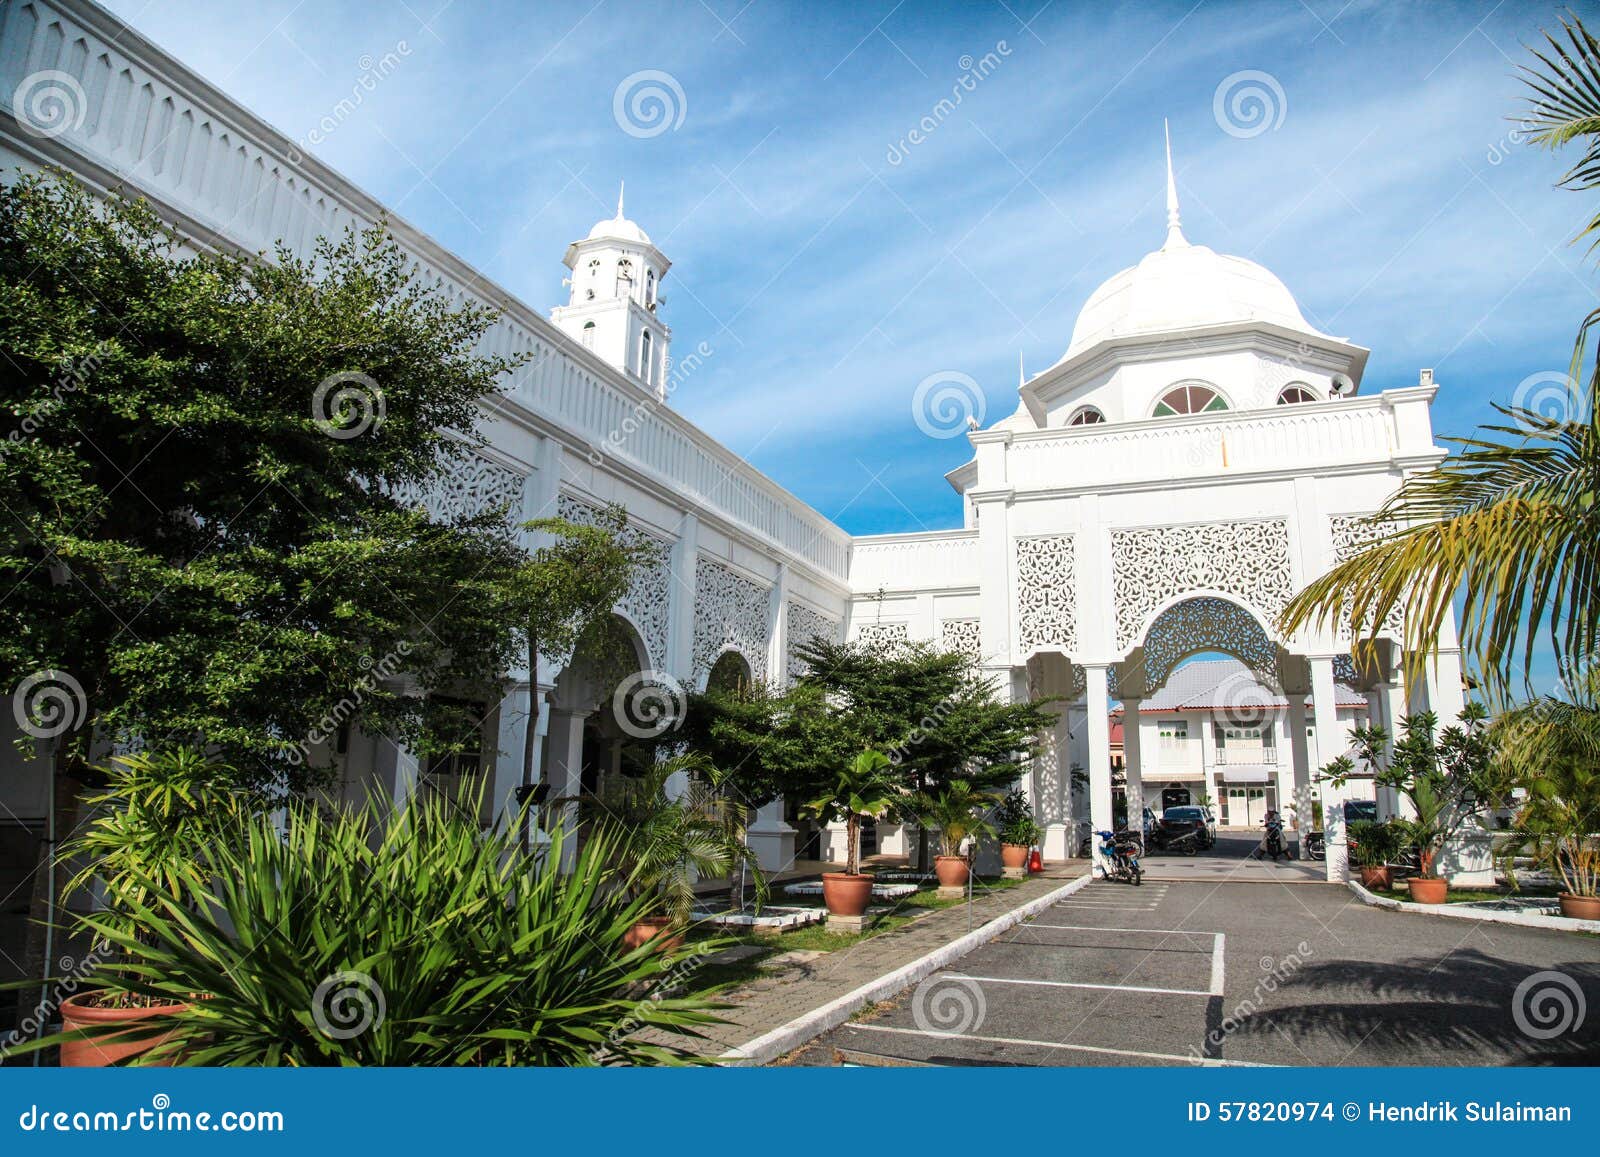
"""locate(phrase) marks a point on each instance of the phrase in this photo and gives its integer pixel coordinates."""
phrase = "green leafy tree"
(204, 538)
(935, 715)
(1448, 775)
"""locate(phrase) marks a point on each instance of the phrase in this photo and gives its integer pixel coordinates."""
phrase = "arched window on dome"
(644, 357)
(624, 278)
(1189, 398)
(588, 335)
(1086, 416)
(1295, 393)
(649, 286)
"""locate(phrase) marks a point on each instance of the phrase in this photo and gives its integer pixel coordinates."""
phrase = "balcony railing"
(1247, 757)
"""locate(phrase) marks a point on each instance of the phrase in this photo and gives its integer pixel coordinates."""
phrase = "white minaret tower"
(616, 285)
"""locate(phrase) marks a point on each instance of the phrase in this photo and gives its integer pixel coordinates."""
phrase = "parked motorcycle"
(1176, 839)
(1273, 844)
(1121, 855)
(1316, 845)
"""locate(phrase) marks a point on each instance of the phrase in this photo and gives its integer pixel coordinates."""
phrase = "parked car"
(1192, 815)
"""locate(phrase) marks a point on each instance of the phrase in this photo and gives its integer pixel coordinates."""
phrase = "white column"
(1283, 772)
(398, 766)
(1132, 753)
(1383, 702)
(1446, 696)
(1097, 733)
(680, 614)
(1330, 742)
(510, 743)
(771, 839)
(565, 774)
(1300, 764)
(1208, 761)
(1055, 813)
(778, 629)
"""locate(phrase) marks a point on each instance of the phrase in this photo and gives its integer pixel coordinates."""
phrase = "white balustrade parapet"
(224, 176)
(1344, 433)
(926, 560)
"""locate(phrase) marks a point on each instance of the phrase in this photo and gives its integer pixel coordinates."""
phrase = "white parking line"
(1083, 984)
(1102, 928)
(1202, 1062)
(1217, 953)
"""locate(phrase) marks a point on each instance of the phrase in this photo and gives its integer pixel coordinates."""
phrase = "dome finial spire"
(622, 185)
(1175, 237)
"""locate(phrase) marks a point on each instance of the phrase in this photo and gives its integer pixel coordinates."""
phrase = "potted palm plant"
(959, 811)
(867, 788)
(1551, 750)
(1373, 846)
(666, 844)
(154, 824)
(1018, 832)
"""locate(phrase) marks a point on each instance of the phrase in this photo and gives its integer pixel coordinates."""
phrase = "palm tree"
(959, 810)
(1512, 519)
(665, 844)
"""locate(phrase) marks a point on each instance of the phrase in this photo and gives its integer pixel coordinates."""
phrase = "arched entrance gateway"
(1233, 454)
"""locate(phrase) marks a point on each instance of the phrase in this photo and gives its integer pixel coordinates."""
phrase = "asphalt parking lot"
(1197, 972)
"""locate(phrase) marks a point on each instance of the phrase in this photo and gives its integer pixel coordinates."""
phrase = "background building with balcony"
(1217, 734)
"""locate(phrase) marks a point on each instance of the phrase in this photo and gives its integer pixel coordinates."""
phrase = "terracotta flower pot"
(952, 871)
(1580, 907)
(1376, 878)
(110, 1046)
(1428, 891)
(1014, 855)
(846, 895)
(652, 928)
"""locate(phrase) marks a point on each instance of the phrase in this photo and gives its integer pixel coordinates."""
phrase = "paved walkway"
(1200, 973)
(805, 983)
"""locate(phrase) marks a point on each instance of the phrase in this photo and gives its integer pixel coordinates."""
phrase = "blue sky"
(831, 277)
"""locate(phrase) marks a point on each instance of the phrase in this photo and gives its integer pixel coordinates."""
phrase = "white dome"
(618, 229)
(1179, 287)
(1183, 287)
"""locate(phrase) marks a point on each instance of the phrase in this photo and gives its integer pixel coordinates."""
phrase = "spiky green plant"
(367, 936)
(150, 828)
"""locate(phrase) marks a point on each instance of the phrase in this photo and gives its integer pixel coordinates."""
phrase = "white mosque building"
(1195, 456)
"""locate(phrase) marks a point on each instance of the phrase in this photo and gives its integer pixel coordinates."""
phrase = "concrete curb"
(1457, 912)
(787, 1037)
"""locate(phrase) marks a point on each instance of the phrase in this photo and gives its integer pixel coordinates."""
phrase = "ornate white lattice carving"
(887, 637)
(1206, 624)
(729, 611)
(1047, 613)
(962, 635)
(1249, 560)
(470, 485)
(806, 625)
(649, 598)
(1350, 533)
